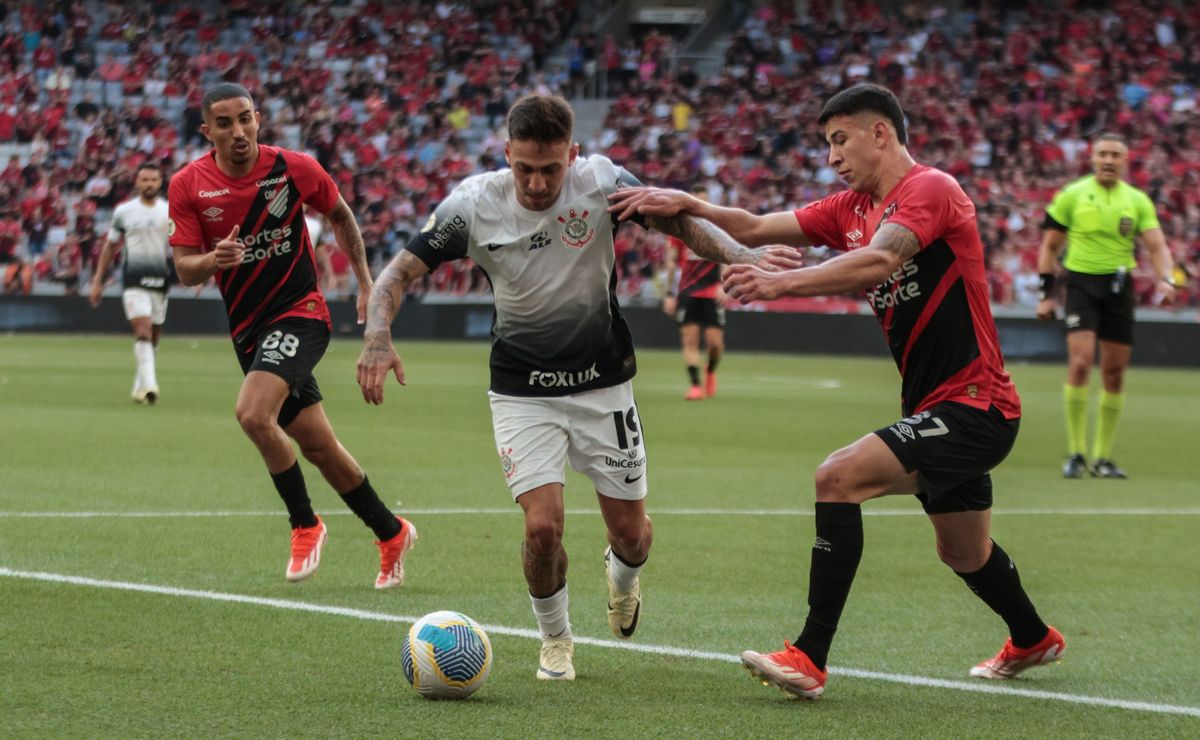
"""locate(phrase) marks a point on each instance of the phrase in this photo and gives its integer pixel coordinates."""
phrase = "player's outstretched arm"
(1164, 265)
(350, 240)
(712, 243)
(847, 273)
(378, 356)
(743, 226)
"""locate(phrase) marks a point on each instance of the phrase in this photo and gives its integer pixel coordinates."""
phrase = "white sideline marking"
(341, 611)
(1192, 511)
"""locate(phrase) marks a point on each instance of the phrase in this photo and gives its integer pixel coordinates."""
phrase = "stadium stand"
(399, 101)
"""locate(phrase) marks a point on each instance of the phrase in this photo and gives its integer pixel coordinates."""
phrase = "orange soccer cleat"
(391, 555)
(307, 543)
(1011, 660)
(790, 670)
(695, 393)
(710, 383)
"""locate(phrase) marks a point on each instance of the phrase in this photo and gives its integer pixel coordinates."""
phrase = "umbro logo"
(823, 544)
(212, 213)
(272, 356)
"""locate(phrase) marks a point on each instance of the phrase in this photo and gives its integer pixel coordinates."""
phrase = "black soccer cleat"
(1074, 467)
(1107, 469)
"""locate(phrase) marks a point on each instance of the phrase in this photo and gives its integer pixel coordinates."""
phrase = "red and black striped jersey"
(698, 277)
(278, 274)
(934, 308)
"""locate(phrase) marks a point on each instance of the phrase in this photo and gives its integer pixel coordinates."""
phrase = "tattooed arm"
(350, 240)
(710, 242)
(378, 355)
(847, 273)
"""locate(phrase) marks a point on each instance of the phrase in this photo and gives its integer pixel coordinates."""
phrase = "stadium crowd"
(400, 101)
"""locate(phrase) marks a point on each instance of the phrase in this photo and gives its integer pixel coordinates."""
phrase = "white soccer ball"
(446, 655)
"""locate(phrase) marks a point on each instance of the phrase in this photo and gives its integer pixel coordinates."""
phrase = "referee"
(1098, 217)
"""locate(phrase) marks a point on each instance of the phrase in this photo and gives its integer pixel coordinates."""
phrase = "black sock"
(835, 559)
(998, 584)
(290, 484)
(712, 364)
(365, 503)
(694, 374)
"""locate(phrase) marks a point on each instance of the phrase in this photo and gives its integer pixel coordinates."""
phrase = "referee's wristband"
(1170, 280)
(1045, 284)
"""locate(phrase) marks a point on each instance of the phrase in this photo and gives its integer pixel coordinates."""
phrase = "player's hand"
(228, 252)
(1164, 293)
(629, 202)
(777, 258)
(94, 295)
(377, 358)
(1045, 309)
(670, 303)
(747, 283)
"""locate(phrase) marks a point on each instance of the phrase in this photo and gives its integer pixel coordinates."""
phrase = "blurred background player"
(236, 215)
(1098, 218)
(695, 299)
(141, 225)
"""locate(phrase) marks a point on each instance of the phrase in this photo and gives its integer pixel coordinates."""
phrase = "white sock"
(551, 614)
(143, 350)
(623, 576)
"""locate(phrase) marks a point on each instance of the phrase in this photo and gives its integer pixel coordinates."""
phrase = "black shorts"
(1101, 303)
(952, 447)
(291, 349)
(702, 311)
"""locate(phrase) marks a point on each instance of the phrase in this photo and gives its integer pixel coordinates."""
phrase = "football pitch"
(142, 552)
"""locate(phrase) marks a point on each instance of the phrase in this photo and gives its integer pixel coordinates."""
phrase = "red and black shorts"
(702, 311)
(291, 349)
(952, 447)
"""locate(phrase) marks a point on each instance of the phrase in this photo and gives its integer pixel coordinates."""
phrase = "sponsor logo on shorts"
(823, 544)
(904, 429)
(272, 357)
(634, 479)
(1073, 320)
(623, 464)
(506, 462)
(562, 378)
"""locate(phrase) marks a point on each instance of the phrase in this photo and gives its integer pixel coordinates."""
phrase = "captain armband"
(1045, 284)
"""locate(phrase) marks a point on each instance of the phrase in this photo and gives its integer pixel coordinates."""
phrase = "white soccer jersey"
(557, 328)
(144, 229)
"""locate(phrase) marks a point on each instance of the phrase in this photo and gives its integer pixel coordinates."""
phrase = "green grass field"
(142, 553)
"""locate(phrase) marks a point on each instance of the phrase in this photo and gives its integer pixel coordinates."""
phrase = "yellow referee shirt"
(1101, 223)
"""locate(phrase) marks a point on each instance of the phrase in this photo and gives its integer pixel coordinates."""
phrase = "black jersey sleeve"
(446, 234)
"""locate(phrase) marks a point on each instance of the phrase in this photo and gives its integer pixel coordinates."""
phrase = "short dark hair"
(545, 119)
(148, 166)
(223, 91)
(866, 98)
(1109, 136)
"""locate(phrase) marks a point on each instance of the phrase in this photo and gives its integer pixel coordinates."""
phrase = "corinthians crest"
(576, 232)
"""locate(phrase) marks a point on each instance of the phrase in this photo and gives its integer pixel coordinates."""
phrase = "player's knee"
(962, 559)
(543, 535)
(632, 537)
(255, 423)
(833, 481)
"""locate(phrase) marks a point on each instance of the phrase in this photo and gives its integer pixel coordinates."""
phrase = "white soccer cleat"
(624, 607)
(555, 660)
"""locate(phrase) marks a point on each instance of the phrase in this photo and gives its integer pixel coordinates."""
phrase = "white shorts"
(140, 303)
(598, 431)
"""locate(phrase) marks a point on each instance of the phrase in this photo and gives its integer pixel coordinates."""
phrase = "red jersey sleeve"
(320, 191)
(926, 208)
(821, 220)
(183, 223)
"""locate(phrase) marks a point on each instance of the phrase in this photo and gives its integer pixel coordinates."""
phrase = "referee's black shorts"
(291, 349)
(1101, 303)
(952, 447)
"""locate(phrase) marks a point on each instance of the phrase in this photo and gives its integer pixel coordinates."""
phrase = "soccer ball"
(446, 655)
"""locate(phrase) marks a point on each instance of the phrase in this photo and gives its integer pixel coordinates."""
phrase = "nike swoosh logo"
(628, 631)
(493, 247)
(632, 480)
